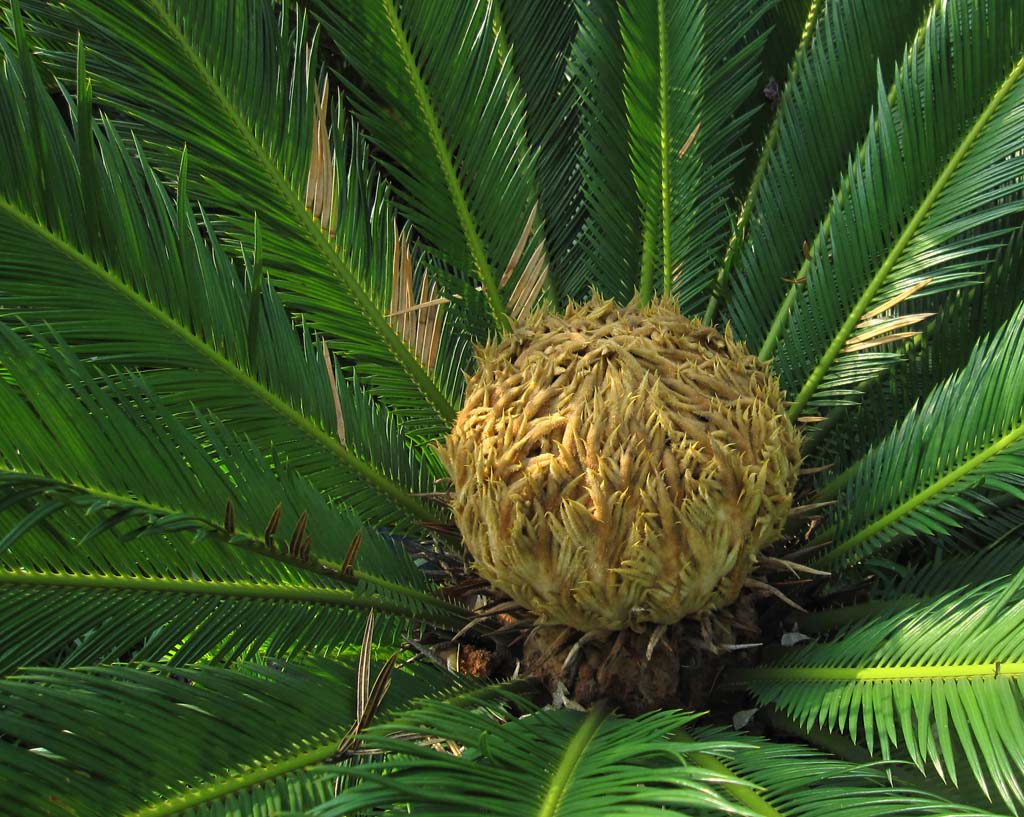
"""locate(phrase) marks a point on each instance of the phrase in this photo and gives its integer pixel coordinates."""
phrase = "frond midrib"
(235, 781)
(278, 405)
(736, 241)
(562, 777)
(247, 540)
(664, 145)
(881, 673)
(744, 795)
(333, 596)
(402, 354)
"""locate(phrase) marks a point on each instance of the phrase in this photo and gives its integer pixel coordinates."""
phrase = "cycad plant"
(519, 407)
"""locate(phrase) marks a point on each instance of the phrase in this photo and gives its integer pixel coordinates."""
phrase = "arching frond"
(1003, 556)
(249, 120)
(787, 780)
(97, 250)
(114, 740)
(539, 37)
(888, 685)
(446, 110)
(965, 440)
(919, 210)
(822, 108)
(112, 449)
(658, 158)
(593, 764)
(74, 592)
(937, 353)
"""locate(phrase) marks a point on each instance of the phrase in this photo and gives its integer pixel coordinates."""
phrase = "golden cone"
(620, 465)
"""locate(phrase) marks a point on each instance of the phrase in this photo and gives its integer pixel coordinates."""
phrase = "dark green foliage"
(246, 248)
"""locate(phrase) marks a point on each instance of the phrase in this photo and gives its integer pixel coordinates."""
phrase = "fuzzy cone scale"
(620, 465)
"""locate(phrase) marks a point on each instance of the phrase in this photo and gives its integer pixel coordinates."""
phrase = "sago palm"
(520, 407)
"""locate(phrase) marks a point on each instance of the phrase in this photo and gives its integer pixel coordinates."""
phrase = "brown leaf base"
(685, 662)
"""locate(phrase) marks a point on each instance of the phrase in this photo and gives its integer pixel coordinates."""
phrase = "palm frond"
(823, 106)
(539, 37)
(883, 684)
(1002, 556)
(110, 448)
(74, 592)
(787, 780)
(658, 159)
(249, 120)
(594, 764)
(98, 251)
(937, 353)
(919, 210)
(115, 740)
(964, 442)
(448, 114)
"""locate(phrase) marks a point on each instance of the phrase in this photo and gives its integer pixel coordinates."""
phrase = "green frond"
(599, 764)
(116, 740)
(885, 684)
(446, 110)
(963, 443)
(249, 120)
(539, 37)
(610, 234)
(824, 103)
(110, 448)
(937, 353)
(592, 764)
(75, 593)
(1002, 556)
(291, 794)
(658, 158)
(98, 251)
(789, 780)
(919, 210)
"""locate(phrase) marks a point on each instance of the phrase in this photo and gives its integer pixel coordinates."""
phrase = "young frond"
(657, 158)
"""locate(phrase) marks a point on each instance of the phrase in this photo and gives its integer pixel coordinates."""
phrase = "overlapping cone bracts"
(620, 465)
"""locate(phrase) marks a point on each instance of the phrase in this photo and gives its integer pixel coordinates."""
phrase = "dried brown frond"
(527, 290)
(415, 315)
(339, 418)
(320, 181)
